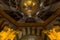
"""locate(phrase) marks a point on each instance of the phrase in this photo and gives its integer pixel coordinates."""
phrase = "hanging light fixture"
(29, 7)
